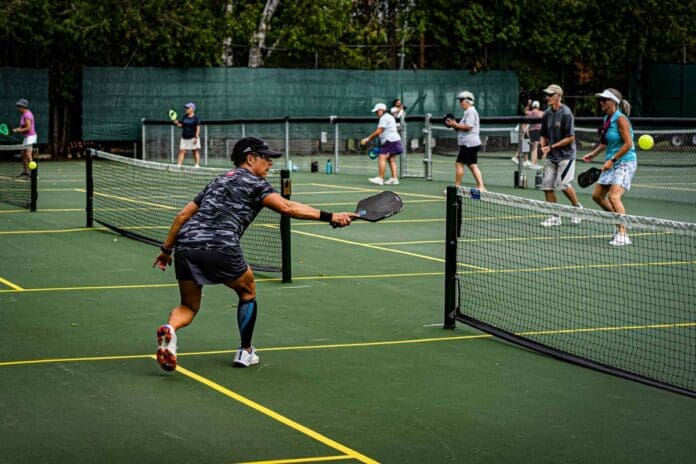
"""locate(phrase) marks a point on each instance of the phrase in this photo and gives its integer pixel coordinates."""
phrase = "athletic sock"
(246, 319)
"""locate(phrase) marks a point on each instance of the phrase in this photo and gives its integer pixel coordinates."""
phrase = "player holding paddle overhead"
(616, 137)
(468, 139)
(205, 239)
(390, 145)
(190, 134)
(27, 127)
(557, 143)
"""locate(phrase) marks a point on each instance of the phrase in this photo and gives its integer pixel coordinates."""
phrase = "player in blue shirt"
(205, 240)
(620, 162)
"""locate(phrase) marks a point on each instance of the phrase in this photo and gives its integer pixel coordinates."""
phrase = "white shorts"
(29, 140)
(558, 175)
(190, 144)
(621, 174)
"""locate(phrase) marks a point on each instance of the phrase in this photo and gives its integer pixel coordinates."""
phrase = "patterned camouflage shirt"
(226, 207)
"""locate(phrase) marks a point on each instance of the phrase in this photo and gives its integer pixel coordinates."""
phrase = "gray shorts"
(558, 175)
(207, 267)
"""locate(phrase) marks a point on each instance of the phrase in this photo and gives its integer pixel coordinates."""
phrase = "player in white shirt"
(390, 145)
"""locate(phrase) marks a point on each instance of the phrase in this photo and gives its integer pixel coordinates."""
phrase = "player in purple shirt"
(205, 239)
(27, 128)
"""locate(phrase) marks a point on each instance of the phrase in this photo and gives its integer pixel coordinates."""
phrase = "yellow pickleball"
(645, 142)
(32, 165)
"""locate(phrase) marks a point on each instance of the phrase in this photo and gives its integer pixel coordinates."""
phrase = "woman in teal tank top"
(620, 160)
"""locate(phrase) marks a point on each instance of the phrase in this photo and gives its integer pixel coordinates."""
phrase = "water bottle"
(329, 166)
(523, 180)
(538, 180)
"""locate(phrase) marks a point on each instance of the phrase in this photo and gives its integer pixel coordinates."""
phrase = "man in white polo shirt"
(390, 145)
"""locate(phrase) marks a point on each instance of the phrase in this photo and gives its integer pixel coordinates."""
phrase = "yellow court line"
(374, 247)
(262, 279)
(579, 266)
(359, 344)
(276, 416)
(407, 202)
(216, 352)
(340, 457)
(360, 189)
(327, 192)
(11, 285)
(41, 189)
(137, 201)
(14, 211)
(381, 223)
(54, 231)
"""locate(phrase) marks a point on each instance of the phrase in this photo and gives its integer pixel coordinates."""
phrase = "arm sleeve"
(543, 131)
(568, 125)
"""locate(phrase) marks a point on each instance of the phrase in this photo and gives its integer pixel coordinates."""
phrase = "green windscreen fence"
(32, 85)
(115, 100)
(670, 90)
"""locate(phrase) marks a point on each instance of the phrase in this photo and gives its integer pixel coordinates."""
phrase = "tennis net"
(139, 199)
(565, 291)
(16, 190)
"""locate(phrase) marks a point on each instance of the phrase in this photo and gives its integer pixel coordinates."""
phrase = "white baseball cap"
(535, 104)
(608, 94)
(379, 106)
(466, 95)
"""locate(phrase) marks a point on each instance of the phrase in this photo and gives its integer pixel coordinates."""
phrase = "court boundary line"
(276, 416)
(301, 460)
(261, 279)
(679, 325)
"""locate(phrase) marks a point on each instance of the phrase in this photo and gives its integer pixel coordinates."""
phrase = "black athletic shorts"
(534, 135)
(207, 267)
(468, 155)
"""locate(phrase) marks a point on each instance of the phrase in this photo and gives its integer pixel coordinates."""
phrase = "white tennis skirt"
(29, 140)
(190, 144)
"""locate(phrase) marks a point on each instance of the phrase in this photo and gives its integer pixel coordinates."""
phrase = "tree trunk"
(227, 50)
(258, 40)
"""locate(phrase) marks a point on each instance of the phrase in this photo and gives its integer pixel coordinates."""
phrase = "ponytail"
(625, 107)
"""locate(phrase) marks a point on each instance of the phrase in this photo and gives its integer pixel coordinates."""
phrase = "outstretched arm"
(298, 210)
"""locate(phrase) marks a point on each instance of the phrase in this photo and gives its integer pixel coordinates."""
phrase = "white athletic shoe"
(166, 347)
(526, 164)
(577, 220)
(376, 180)
(514, 160)
(552, 221)
(242, 358)
(392, 181)
(536, 167)
(196, 166)
(620, 240)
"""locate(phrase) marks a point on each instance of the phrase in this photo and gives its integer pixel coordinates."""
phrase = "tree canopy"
(581, 44)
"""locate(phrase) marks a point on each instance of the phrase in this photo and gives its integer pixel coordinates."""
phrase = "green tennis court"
(355, 365)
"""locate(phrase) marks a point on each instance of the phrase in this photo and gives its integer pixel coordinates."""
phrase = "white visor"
(608, 95)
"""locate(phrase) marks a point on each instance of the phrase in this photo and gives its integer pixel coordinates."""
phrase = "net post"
(89, 182)
(428, 147)
(143, 138)
(451, 226)
(286, 191)
(34, 188)
(288, 163)
(336, 145)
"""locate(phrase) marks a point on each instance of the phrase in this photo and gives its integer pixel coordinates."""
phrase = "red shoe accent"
(166, 359)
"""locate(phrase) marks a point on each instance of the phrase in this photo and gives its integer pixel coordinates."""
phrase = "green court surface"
(355, 365)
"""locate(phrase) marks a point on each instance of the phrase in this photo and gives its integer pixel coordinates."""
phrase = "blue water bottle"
(329, 166)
